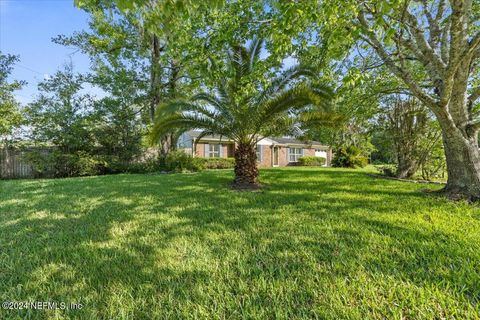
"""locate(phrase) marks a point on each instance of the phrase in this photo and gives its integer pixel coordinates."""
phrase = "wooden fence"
(13, 164)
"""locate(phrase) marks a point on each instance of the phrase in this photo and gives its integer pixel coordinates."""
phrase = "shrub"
(149, 165)
(84, 164)
(56, 164)
(41, 162)
(349, 157)
(215, 163)
(311, 161)
(388, 170)
(179, 161)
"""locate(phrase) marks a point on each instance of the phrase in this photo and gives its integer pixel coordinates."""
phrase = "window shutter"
(288, 154)
(221, 150)
(206, 148)
(261, 153)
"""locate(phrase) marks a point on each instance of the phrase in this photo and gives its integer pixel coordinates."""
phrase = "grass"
(314, 243)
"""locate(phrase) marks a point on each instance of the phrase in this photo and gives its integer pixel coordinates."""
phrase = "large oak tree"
(439, 36)
(431, 46)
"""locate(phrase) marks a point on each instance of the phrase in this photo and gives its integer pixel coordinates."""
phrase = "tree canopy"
(9, 107)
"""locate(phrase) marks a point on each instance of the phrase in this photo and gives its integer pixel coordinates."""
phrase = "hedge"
(311, 161)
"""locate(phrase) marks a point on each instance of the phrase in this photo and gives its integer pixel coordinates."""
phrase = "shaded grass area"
(314, 242)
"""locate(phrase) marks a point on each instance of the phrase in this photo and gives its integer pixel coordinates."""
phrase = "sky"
(26, 29)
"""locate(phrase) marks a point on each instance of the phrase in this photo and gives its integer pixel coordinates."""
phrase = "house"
(271, 151)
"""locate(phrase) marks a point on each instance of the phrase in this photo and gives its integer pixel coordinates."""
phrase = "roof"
(274, 140)
(194, 134)
(287, 141)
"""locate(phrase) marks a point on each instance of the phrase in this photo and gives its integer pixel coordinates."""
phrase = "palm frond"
(254, 51)
(323, 90)
(179, 106)
(182, 123)
(239, 59)
(204, 133)
(210, 99)
(322, 118)
(286, 78)
(221, 104)
(280, 125)
(294, 98)
(223, 93)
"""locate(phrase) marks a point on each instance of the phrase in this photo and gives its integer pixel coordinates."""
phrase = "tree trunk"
(407, 125)
(246, 172)
(406, 166)
(167, 144)
(463, 166)
(154, 76)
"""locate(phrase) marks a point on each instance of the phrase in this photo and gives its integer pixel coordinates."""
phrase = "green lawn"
(323, 243)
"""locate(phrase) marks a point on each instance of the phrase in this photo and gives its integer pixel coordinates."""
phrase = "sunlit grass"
(324, 243)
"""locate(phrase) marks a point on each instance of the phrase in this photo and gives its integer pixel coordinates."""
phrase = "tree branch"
(433, 25)
(402, 73)
(473, 45)
(474, 124)
(427, 51)
(458, 40)
(475, 94)
(444, 48)
(440, 9)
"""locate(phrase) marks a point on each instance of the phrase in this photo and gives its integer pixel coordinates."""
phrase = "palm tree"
(246, 110)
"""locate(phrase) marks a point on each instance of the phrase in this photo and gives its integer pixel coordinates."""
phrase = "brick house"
(271, 151)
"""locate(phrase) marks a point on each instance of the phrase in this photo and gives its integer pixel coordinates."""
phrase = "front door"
(275, 156)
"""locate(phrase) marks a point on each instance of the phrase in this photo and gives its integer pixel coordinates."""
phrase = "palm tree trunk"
(246, 172)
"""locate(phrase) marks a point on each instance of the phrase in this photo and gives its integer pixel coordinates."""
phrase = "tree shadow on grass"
(138, 246)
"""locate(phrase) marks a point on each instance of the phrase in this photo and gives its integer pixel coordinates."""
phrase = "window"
(259, 153)
(294, 154)
(214, 151)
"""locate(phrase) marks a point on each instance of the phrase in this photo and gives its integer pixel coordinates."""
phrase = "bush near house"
(349, 157)
(216, 163)
(179, 161)
(311, 161)
(149, 165)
